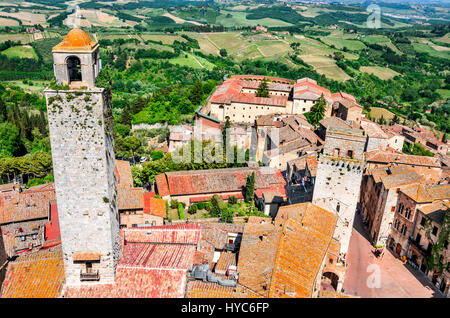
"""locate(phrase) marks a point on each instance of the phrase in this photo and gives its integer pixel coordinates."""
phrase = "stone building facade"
(235, 99)
(338, 179)
(410, 200)
(430, 228)
(80, 124)
(379, 195)
(23, 215)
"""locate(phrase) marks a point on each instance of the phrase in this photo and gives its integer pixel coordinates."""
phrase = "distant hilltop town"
(288, 225)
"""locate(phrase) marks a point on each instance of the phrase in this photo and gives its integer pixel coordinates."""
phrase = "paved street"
(396, 280)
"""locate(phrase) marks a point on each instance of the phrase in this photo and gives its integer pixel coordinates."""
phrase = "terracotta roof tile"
(199, 289)
(226, 259)
(380, 156)
(154, 264)
(38, 275)
(282, 258)
(334, 122)
(124, 176)
(424, 194)
(30, 204)
(130, 198)
(154, 206)
(218, 180)
(76, 40)
(436, 211)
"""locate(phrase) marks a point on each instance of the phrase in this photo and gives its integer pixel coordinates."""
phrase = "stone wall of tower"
(80, 124)
(336, 189)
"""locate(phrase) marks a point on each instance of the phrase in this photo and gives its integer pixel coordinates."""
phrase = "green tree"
(250, 187)
(225, 132)
(381, 120)
(126, 118)
(217, 205)
(263, 89)
(132, 143)
(232, 200)
(223, 52)
(318, 111)
(196, 93)
(181, 211)
(227, 215)
(3, 111)
(395, 120)
(121, 129)
(9, 140)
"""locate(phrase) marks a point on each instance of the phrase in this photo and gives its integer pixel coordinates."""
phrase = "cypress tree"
(3, 111)
(250, 187)
(318, 111)
(263, 89)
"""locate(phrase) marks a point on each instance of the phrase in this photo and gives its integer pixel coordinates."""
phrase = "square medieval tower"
(80, 122)
(338, 180)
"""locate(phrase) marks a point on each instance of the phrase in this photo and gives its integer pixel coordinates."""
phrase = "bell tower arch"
(76, 60)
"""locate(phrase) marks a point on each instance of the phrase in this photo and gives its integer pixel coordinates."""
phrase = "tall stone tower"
(338, 179)
(80, 121)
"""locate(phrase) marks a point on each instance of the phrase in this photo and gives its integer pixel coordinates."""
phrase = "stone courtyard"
(396, 280)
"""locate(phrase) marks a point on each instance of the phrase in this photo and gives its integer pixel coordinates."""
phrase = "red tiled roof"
(86, 256)
(218, 181)
(372, 129)
(52, 232)
(135, 283)
(344, 96)
(389, 157)
(156, 255)
(175, 234)
(199, 289)
(130, 198)
(307, 88)
(27, 205)
(38, 275)
(154, 264)
(283, 258)
(154, 206)
(231, 91)
(161, 183)
(124, 176)
(424, 194)
(334, 122)
(311, 162)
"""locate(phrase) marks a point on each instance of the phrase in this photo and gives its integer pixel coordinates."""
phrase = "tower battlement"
(342, 162)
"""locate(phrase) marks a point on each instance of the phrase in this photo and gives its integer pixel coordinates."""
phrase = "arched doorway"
(398, 249)
(74, 69)
(331, 278)
(414, 259)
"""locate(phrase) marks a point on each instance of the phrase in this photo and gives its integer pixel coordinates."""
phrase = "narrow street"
(369, 277)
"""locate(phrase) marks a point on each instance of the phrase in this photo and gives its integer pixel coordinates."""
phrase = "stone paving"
(395, 279)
